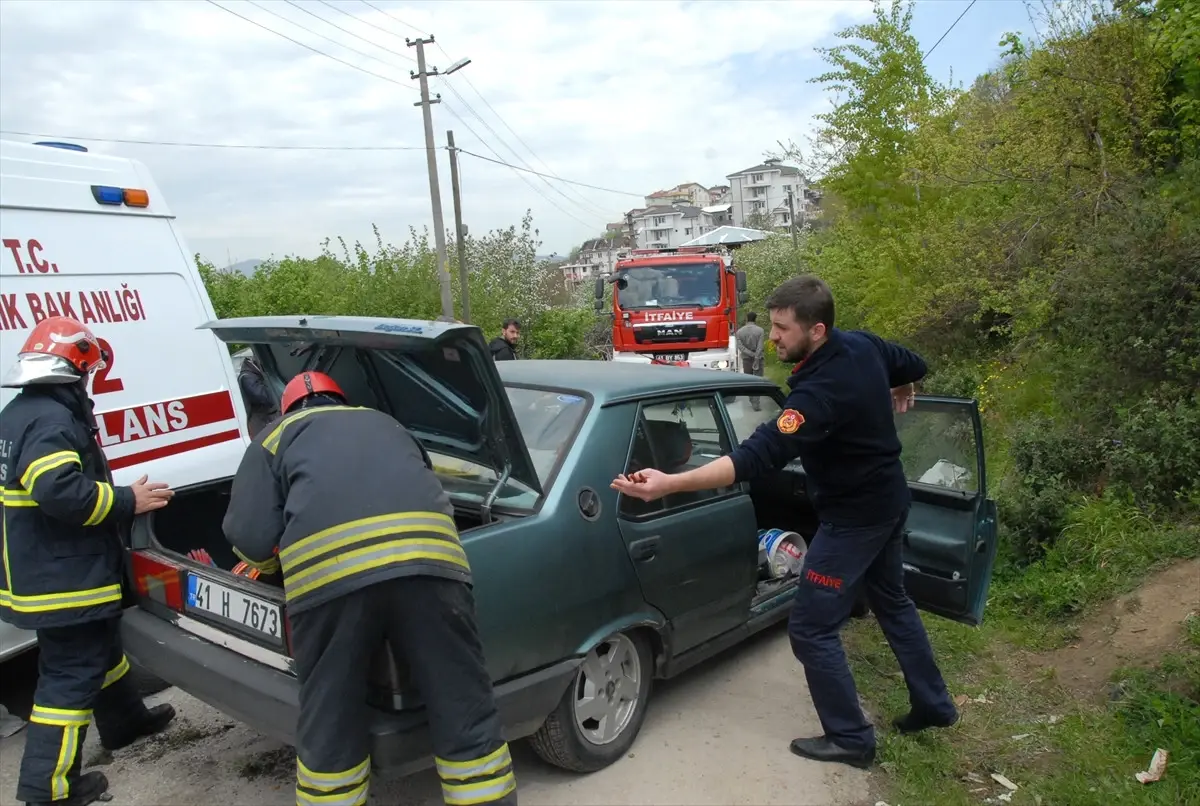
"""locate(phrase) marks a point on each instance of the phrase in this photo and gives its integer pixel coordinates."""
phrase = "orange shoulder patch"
(789, 421)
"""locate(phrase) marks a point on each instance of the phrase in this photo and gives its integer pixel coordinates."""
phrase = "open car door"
(950, 538)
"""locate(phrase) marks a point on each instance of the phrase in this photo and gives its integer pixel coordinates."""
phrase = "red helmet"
(305, 385)
(59, 350)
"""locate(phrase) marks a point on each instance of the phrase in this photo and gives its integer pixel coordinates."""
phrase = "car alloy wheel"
(607, 689)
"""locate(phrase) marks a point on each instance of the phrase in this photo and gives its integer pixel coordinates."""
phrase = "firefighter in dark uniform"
(839, 419)
(344, 501)
(62, 555)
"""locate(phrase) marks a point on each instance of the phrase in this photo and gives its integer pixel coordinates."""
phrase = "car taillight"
(157, 579)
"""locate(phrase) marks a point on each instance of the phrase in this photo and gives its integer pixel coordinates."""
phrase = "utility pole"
(629, 226)
(435, 196)
(459, 230)
(792, 218)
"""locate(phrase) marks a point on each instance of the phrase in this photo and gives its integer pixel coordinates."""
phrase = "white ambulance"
(91, 237)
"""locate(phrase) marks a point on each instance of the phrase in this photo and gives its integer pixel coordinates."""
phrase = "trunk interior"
(193, 521)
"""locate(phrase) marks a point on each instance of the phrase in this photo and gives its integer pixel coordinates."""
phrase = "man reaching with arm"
(839, 420)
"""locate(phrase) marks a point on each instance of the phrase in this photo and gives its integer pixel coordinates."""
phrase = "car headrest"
(671, 442)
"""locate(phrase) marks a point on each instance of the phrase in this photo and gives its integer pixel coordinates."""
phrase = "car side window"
(747, 412)
(675, 437)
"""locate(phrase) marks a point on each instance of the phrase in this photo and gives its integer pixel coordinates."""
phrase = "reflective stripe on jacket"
(62, 516)
(341, 498)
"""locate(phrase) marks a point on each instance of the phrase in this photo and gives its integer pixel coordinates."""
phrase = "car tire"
(576, 740)
(146, 683)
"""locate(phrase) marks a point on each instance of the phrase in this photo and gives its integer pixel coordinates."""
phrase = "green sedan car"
(584, 597)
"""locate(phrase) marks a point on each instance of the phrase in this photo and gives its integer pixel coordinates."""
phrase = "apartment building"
(763, 189)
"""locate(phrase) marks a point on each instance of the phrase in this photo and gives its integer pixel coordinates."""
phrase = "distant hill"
(245, 267)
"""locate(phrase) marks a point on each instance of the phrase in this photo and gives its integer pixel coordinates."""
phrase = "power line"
(499, 161)
(298, 7)
(326, 38)
(500, 118)
(176, 144)
(559, 178)
(948, 30)
(310, 47)
(585, 210)
(367, 22)
(390, 14)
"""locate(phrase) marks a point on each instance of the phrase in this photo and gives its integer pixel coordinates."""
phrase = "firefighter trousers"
(430, 623)
(840, 561)
(82, 673)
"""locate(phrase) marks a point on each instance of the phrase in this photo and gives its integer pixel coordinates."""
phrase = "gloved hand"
(243, 570)
(201, 556)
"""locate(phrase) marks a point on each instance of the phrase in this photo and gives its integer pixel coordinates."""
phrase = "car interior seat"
(671, 444)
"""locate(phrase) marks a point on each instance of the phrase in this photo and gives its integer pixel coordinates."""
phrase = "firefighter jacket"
(341, 498)
(62, 515)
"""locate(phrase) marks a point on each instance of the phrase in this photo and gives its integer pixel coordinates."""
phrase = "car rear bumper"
(267, 699)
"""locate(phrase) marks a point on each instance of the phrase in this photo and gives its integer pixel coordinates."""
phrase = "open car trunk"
(251, 611)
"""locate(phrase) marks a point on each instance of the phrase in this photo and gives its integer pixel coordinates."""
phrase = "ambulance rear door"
(90, 236)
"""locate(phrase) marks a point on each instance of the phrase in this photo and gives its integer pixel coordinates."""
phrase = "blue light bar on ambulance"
(130, 197)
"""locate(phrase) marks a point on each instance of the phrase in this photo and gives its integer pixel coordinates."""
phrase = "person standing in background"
(750, 342)
(504, 346)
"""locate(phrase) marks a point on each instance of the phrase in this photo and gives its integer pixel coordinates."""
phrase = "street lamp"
(458, 65)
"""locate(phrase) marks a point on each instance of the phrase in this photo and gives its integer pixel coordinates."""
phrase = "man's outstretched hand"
(648, 485)
(903, 398)
(150, 495)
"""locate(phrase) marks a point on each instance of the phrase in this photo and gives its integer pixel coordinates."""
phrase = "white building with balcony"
(663, 227)
(763, 190)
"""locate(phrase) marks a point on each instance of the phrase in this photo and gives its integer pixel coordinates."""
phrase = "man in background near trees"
(750, 342)
(261, 404)
(838, 419)
(504, 346)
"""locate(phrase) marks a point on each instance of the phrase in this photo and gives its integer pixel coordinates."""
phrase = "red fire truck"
(675, 306)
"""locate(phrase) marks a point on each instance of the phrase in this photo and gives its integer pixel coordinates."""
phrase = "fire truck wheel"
(602, 711)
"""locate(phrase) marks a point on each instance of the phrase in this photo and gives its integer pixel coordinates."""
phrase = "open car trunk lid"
(435, 378)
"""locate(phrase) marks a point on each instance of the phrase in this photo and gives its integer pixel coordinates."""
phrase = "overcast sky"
(632, 96)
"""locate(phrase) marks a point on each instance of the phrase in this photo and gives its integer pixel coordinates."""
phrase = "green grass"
(1090, 752)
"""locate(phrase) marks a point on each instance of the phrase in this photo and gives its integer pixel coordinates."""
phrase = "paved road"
(717, 735)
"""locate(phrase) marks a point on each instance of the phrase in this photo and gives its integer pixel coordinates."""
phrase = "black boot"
(914, 722)
(88, 789)
(155, 720)
(821, 748)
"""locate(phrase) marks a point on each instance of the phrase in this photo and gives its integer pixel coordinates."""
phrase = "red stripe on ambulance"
(171, 450)
(169, 416)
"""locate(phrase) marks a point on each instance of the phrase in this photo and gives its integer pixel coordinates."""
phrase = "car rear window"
(547, 419)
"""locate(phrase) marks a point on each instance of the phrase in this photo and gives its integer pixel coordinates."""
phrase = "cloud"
(628, 95)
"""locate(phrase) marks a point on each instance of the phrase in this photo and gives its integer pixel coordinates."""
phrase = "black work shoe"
(914, 722)
(155, 720)
(820, 748)
(88, 789)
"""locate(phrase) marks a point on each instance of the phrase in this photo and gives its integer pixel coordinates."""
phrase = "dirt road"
(718, 735)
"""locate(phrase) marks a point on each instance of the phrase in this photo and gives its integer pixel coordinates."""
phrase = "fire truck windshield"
(671, 285)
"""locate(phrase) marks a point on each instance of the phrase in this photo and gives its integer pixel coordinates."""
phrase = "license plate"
(671, 356)
(231, 605)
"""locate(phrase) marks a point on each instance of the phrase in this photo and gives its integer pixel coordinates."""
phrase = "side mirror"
(599, 290)
(741, 281)
(599, 305)
(743, 297)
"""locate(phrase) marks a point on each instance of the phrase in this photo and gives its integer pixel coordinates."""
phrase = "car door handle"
(644, 550)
